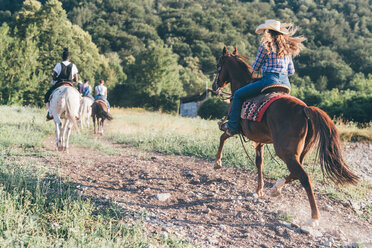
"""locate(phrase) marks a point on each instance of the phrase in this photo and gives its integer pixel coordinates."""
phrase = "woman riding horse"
(274, 58)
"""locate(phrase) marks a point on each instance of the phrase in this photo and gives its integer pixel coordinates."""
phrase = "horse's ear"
(224, 51)
(235, 51)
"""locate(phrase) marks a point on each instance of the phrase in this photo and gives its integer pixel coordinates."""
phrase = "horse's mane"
(242, 61)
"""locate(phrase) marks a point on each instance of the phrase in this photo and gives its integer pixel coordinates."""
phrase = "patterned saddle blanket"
(254, 108)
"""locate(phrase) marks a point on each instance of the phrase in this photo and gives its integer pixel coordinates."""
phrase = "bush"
(213, 108)
(358, 108)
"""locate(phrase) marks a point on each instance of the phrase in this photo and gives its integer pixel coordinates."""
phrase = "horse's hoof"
(217, 165)
(313, 222)
(260, 193)
(275, 193)
(277, 188)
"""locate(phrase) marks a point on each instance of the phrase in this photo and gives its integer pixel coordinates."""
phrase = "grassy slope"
(39, 209)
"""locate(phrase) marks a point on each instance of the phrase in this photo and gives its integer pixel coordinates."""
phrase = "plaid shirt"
(270, 63)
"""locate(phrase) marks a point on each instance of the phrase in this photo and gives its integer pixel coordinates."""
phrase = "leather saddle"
(278, 88)
(101, 101)
(58, 85)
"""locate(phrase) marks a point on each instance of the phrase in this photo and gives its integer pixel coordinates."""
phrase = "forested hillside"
(183, 39)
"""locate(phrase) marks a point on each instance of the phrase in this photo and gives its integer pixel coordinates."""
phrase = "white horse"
(64, 103)
(85, 111)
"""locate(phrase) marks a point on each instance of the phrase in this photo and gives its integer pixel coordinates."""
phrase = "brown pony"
(100, 112)
(292, 127)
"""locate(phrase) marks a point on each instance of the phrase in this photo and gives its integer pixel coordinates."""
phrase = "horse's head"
(222, 75)
(231, 68)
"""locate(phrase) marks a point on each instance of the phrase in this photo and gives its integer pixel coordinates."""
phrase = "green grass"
(86, 139)
(170, 134)
(283, 217)
(40, 209)
(352, 132)
(23, 127)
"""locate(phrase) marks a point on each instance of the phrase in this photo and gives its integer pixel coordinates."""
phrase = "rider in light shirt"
(101, 92)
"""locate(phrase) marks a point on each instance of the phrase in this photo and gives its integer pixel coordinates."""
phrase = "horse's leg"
(68, 133)
(63, 135)
(102, 121)
(58, 124)
(297, 171)
(259, 165)
(86, 118)
(277, 188)
(218, 163)
(89, 113)
(99, 125)
(94, 123)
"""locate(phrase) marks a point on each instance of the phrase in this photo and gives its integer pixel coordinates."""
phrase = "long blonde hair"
(283, 44)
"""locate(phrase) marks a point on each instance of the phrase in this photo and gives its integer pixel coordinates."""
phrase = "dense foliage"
(34, 44)
(338, 49)
(213, 108)
(153, 81)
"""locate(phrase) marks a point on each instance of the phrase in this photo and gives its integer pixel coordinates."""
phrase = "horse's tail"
(85, 107)
(70, 113)
(106, 115)
(99, 111)
(329, 147)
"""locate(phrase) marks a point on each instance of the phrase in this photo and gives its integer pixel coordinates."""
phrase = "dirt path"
(210, 208)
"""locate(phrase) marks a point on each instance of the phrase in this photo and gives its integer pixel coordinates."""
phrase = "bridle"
(219, 91)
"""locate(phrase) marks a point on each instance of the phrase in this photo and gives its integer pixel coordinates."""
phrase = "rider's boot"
(49, 116)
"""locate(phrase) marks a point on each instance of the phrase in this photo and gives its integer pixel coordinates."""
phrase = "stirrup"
(225, 128)
(221, 122)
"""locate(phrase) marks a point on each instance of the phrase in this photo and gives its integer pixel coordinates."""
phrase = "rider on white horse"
(63, 73)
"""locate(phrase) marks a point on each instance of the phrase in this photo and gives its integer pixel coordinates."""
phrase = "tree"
(18, 66)
(35, 44)
(192, 77)
(154, 78)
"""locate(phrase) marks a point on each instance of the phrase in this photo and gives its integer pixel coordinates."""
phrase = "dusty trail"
(210, 208)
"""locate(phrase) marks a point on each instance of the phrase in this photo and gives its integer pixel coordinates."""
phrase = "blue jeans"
(103, 98)
(249, 91)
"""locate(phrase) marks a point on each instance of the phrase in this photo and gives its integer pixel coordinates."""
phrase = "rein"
(241, 137)
(230, 96)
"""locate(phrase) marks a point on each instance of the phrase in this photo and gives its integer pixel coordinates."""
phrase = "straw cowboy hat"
(272, 25)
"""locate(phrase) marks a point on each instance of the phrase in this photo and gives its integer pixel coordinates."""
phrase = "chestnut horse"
(292, 127)
(100, 113)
